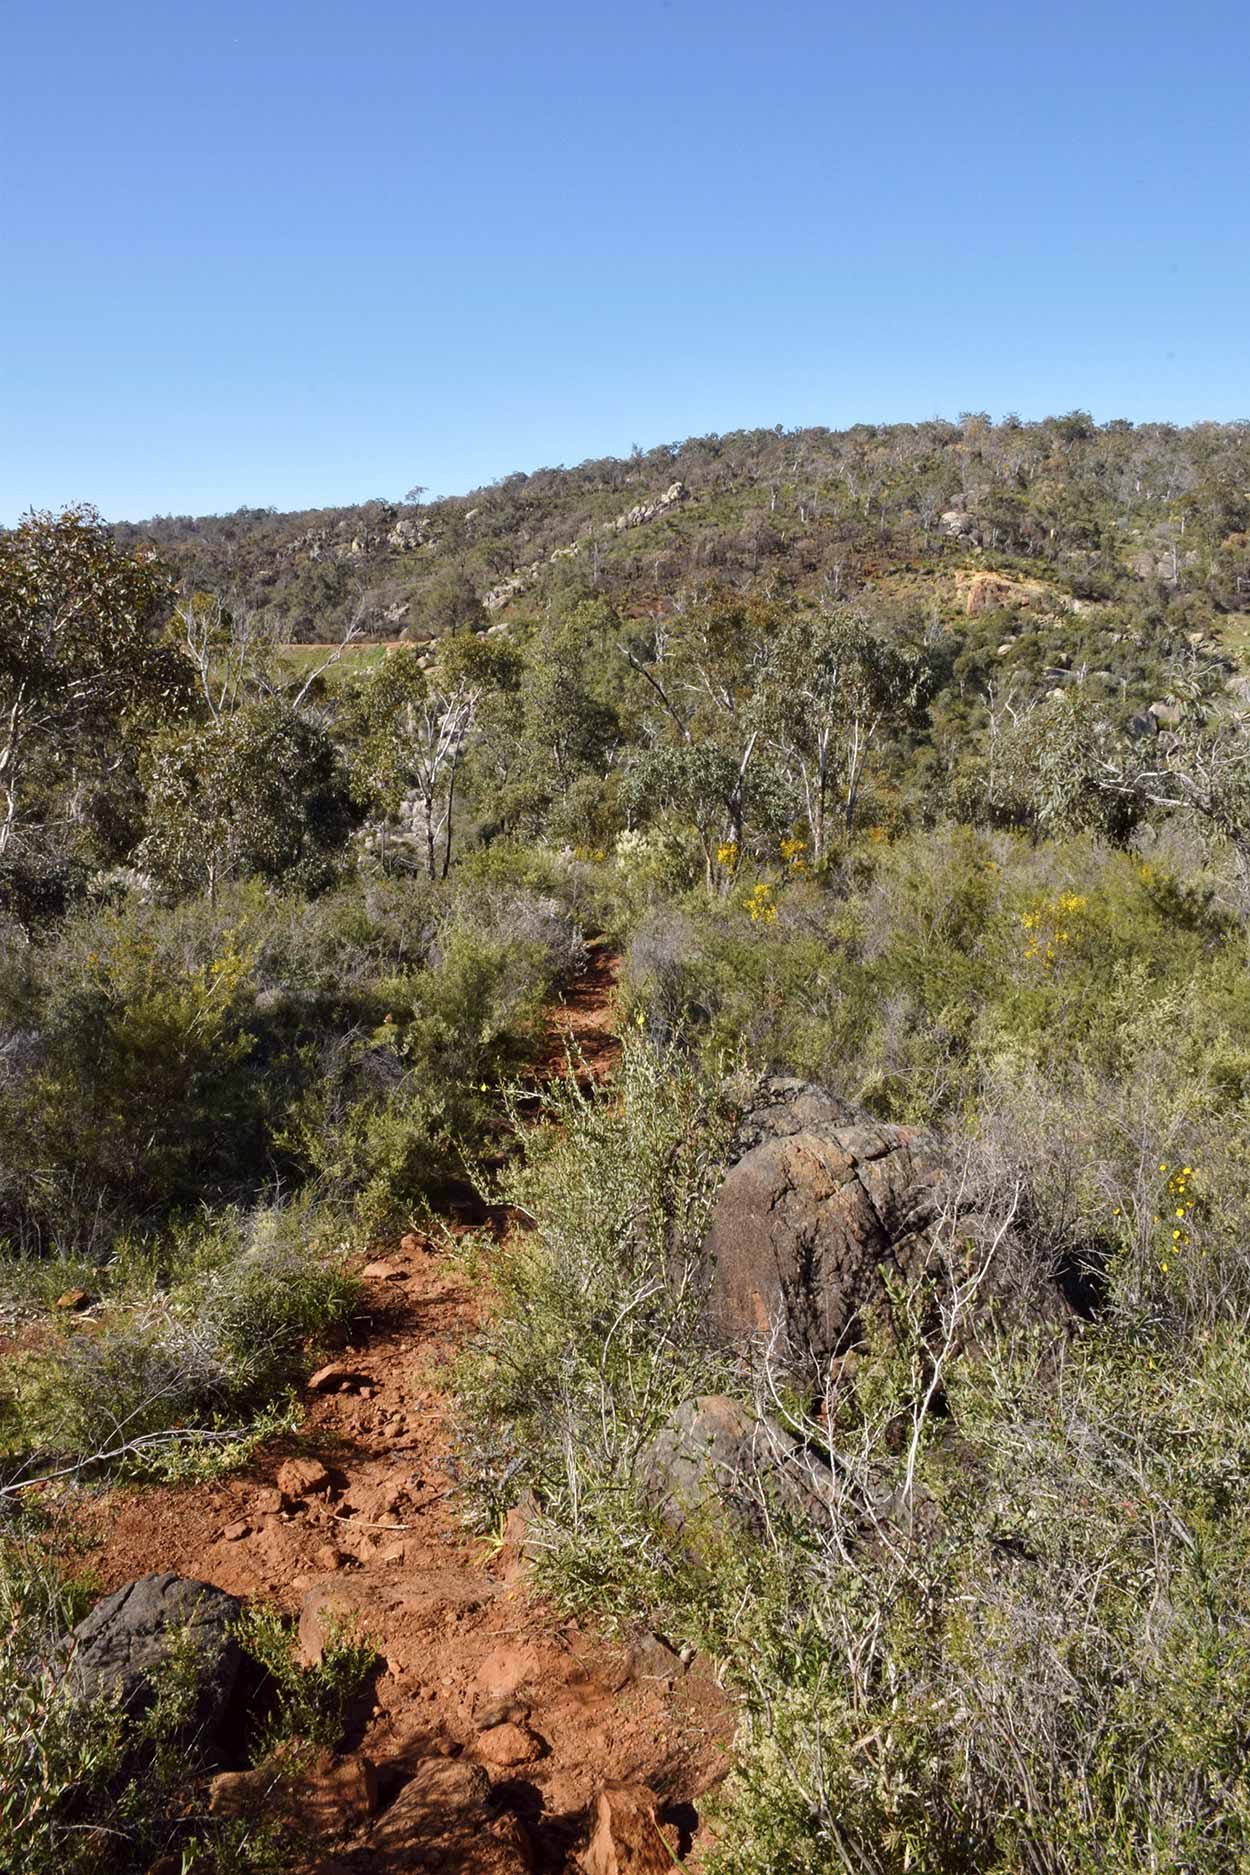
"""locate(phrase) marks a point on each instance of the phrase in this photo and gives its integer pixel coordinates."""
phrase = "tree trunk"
(451, 802)
(430, 866)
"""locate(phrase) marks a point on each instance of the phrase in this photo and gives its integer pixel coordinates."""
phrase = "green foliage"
(86, 1791)
(1015, 1638)
(391, 1116)
(84, 679)
(586, 1351)
(139, 1092)
(190, 1351)
(306, 1704)
(259, 793)
(907, 983)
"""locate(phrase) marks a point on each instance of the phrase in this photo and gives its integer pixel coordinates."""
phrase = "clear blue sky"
(300, 253)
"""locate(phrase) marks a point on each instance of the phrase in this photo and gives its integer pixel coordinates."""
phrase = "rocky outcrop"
(515, 583)
(119, 1650)
(990, 592)
(525, 576)
(645, 511)
(825, 1215)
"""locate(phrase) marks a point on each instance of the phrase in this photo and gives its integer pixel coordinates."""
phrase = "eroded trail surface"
(357, 1518)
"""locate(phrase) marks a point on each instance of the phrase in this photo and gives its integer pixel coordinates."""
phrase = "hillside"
(1151, 518)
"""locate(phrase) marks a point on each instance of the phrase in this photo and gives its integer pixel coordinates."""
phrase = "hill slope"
(1150, 517)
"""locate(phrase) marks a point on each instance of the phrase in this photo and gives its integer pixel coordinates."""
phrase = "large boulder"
(120, 1650)
(825, 1216)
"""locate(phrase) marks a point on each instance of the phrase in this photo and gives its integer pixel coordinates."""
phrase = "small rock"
(651, 1658)
(333, 1797)
(626, 1839)
(381, 1273)
(340, 1794)
(442, 1819)
(504, 1710)
(235, 1532)
(509, 1744)
(268, 1503)
(504, 1670)
(410, 1243)
(234, 1793)
(330, 1557)
(332, 1378)
(73, 1299)
(302, 1477)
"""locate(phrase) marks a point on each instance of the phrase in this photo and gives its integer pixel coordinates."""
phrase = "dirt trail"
(475, 1667)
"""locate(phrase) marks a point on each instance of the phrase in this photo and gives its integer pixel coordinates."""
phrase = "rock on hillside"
(118, 1650)
(823, 1211)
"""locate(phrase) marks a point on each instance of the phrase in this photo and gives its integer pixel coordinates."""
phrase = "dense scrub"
(951, 816)
(1031, 1653)
(1150, 517)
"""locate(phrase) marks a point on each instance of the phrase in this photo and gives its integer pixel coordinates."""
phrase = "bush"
(588, 1348)
(1013, 1633)
(154, 1058)
(194, 1359)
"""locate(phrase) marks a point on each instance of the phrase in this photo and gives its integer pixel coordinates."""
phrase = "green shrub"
(1014, 1637)
(589, 1345)
(188, 1360)
(86, 1791)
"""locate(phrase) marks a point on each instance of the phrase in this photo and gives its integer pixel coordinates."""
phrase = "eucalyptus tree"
(259, 793)
(410, 729)
(838, 687)
(710, 669)
(86, 672)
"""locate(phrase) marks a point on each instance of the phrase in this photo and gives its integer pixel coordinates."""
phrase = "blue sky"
(296, 254)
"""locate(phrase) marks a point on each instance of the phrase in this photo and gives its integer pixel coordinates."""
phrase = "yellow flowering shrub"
(1050, 924)
(760, 904)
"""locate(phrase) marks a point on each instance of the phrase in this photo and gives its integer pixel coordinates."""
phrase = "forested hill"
(1146, 523)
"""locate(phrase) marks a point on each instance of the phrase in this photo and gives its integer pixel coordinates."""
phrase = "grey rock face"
(715, 1458)
(128, 1637)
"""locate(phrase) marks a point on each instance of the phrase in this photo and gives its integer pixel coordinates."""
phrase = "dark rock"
(716, 1457)
(825, 1215)
(118, 1651)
